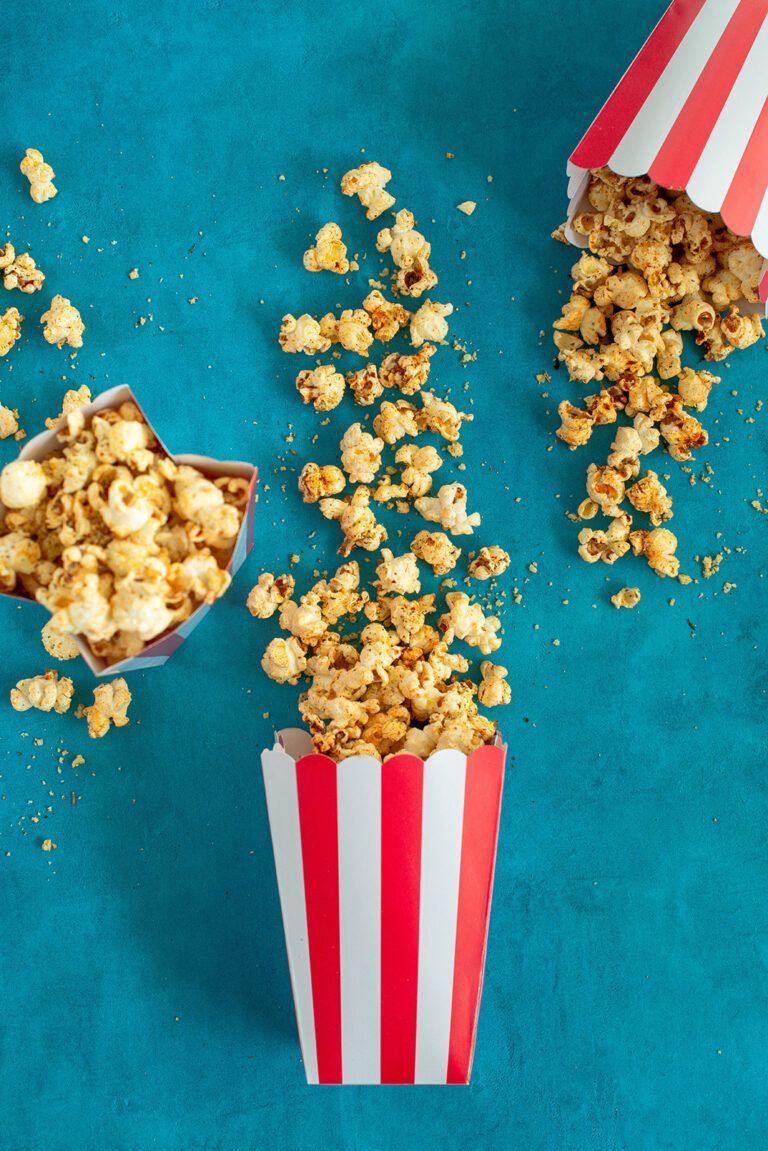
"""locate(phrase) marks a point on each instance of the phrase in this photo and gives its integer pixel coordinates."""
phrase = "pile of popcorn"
(656, 266)
(378, 663)
(120, 543)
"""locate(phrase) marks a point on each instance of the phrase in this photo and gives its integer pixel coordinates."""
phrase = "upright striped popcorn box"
(385, 873)
(162, 648)
(692, 113)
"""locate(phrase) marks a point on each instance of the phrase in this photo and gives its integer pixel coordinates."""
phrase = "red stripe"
(316, 784)
(482, 804)
(620, 109)
(402, 780)
(682, 148)
(745, 195)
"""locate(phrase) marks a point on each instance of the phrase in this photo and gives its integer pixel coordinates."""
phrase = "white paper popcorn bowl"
(385, 873)
(691, 112)
(161, 649)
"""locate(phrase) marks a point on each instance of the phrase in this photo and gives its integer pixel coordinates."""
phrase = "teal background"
(146, 1001)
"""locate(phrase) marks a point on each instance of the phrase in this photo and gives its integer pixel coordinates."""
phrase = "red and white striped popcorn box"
(162, 648)
(691, 112)
(385, 873)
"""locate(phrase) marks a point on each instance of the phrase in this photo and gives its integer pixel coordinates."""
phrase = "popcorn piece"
(658, 547)
(58, 644)
(323, 387)
(23, 484)
(649, 495)
(367, 183)
(606, 487)
(494, 691)
(329, 253)
(351, 330)
(284, 660)
(410, 252)
(270, 593)
(10, 329)
(62, 324)
(465, 620)
(628, 597)
(365, 384)
(19, 556)
(419, 463)
(607, 546)
(387, 317)
(23, 274)
(429, 324)
(467, 207)
(356, 520)
(360, 454)
(43, 692)
(575, 426)
(73, 399)
(40, 176)
(441, 416)
(316, 482)
(9, 422)
(437, 550)
(110, 706)
(449, 509)
(489, 563)
(408, 373)
(302, 335)
(396, 420)
(398, 574)
(694, 388)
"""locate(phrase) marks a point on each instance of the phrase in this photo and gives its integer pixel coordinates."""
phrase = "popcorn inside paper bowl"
(126, 545)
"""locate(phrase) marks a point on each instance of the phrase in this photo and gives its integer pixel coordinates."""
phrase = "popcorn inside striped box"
(385, 872)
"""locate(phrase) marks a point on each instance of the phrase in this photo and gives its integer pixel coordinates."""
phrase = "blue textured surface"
(146, 1001)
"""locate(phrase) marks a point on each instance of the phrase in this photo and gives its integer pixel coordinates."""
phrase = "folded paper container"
(162, 648)
(385, 873)
(691, 112)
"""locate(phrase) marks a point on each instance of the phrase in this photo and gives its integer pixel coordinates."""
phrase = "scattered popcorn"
(302, 335)
(441, 416)
(465, 620)
(329, 253)
(318, 481)
(626, 597)
(43, 692)
(467, 207)
(323, 387)
(367, 183)
(110, 706)
(437, 550)
(360, 454)
(658, 546)
(351, 330)
(429, 323)
(73, 399)
(10, 329)
(40, 176)
(396, 420)
(410, 253)
(365, 384)
(398, 574)
(58, 644)
(649, 495)
(407, 373)
(449, 509)
(420, 463)
(387, 317)
(62, 324)
(494, 691)
(9, 422)
(488, 563)
(356, 520)
(21, 272)
(284, 660)
(269, 594)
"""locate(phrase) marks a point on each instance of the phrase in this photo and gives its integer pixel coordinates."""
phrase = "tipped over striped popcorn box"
(161, 649)
(385, 873)
(692, 113)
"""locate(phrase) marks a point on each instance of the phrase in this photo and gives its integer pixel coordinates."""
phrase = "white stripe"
(641, 142)
(442, 815)
(359, 816)
(724, 149)
(283, 807)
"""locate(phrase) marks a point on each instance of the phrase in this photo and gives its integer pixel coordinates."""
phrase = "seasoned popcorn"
(10, 329)
(429, 324)
(494, 691)
(23, 483)
(358, 523)
(396, 420)
(465, 620)
(628, 597)
(605, 486)
(449, 509)
(43, 692)
(109, 707)
(302, 335)
(410, 252)
(360, 454)
(62, 324)
(437, 550)
(489, 563)
(57, 644)
(323, 387)
(270, 593)
(352, 330)
(329, 253)
(40, 176)
(419, 464)
(649, 495)
(9, 422)
(365, 384)
(317, 481)
(387, 317)
(73, 399)
(694, 388)
(22, 273)
(398, 574)
(658, 547)
(408, 373)
(607, 546)
(367, 183)
(441, 416)
(284, 660)
(19, 556)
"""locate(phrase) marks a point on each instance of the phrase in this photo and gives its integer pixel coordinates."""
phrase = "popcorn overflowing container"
(385, 874)
(159, 650)
(691, 112)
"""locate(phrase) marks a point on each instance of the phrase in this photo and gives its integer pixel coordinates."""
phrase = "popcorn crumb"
(48, 845)
(467, 207)
(133, 274)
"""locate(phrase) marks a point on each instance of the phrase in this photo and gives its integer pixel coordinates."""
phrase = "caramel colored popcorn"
(357, 521)
(40, 176)
(62, 324)
(57, 644)
(323, 387)
(387, 317)
(437, 550)
(302, 335)
(410, 252)
(649, 495)
(270, 593)
(429, 323)
(329, 253)
(449, 509)
(43, 692)
(488, 563)
(109, 707)
(494, 691)
(73, 399)
(368, 183)
(365, 384)
(628, 597)
(10, 329)
(317, 481)
(658, 547)
(9, 422)
(407, 373)
(22, 273)
(360, 454)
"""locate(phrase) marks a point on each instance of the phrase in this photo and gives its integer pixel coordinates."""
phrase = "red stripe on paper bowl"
(620, 109)
(482, 805)
(687, 137)
(745, 195)
(402, 783)
(316, 786)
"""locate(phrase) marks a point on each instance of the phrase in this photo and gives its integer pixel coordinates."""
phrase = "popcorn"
(605, 486)
(628, 597)
(489, 563)
(40, 176)
(575, 426)
(323, 387)
(302, 335)
(23, 274)
(607, 546)
(441, 416)
(329, 253)
(10, 329)
(284, 660)
(387, 317)
(649, 495)
(316, 482)
(19, 555)
(351, 330)
(62, 324)
(23, 484)
(73, 399)
(694, 388)
(365, 384)
(109, 707)
(356, 520)
(57, 644)
(429, 324)
(396, 420)
(43, 692)
(494, 691)
(410, 253)
(9, 422)
(360, 454)
(398, 574)
(449, 509)
(419, 463)
(437, 550)
(367, 183)
(658, 546)
(407, 373)
(465, 620)
(270, 593)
